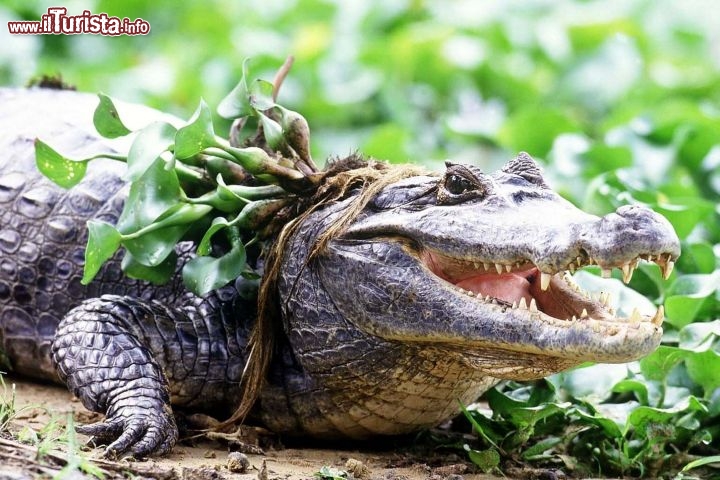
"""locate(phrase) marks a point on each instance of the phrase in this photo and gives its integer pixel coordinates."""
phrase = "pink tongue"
(505, 287)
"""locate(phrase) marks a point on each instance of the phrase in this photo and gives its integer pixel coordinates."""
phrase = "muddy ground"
(209, 459)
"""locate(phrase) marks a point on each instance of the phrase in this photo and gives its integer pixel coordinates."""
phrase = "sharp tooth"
(533, 305)
(523, 303)
(627, 270)
(571, 267)
(499, 268)
(579, 262)
(486, 266)
(514, 305)
(487, 298)
(659, 316)
(574, 318)
(635, 316)
(603, 298)
(544, 280)
(471, 294)
(508, 268)
(584, 313)
(636, 263)
(668, 268)
(476, 265)
(649, 258)
(606, 273)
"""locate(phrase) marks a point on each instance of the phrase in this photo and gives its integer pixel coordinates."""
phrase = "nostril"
(632, 210)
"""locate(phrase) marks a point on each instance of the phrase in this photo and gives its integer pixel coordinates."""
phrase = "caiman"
(440, 286)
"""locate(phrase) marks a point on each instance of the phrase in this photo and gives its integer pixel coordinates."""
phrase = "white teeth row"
(634, 319)
(524, 305)
(532, 306)
(499, 267)
(665, 262)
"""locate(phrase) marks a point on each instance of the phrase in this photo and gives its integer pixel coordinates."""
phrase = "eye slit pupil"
(457, 185)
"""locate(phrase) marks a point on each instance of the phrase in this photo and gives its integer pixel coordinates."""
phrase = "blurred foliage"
(619, 99)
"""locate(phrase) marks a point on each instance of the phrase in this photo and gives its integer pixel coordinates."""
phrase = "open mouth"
(521, 285)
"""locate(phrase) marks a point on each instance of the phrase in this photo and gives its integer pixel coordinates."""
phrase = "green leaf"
(103, 242)
(703, 369)
(688, 296)
(272, 132)
(159, 274)
(147, 146)
(237, 103)
(697, 258)
(601, 158)
(483, 426)
(197, 135)
(261, 95)
(331, 473)
(204, 274)
(107, 120)
(150, 196)
(658, 364)
(592, 383)
(701, 462)
(486, 460)
(607, 425)
(637, 387)
(63, 171)
(699, 337)
(537, 451)
(533, 130)
(218, 223)
(152, 244)
(685, 213)
(642, 416)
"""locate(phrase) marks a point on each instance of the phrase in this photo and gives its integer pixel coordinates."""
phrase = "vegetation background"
(619, 100)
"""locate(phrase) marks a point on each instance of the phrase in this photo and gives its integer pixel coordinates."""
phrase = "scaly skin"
(399, 317)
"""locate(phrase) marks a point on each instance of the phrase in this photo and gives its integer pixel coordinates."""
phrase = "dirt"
(209, 459)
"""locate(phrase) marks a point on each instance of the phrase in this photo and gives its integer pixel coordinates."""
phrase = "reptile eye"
(456, 185)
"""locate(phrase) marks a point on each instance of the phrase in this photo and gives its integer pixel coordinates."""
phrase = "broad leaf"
(197, 135)
(236, 104)
(103, 242)
(204, 274)
(107, 120)
(261, 92)
(272, 132)
(164, 233)
(147, 146)
(159, 274)
(63, 171)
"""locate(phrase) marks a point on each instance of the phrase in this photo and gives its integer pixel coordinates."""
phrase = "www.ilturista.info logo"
(57, 22)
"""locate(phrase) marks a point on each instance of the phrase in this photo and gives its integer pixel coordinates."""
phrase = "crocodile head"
(484, 261)
(476, 268)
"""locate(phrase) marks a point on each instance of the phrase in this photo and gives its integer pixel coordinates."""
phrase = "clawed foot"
(138, 431)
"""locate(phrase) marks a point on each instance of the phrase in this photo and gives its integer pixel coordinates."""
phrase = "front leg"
(126, 357)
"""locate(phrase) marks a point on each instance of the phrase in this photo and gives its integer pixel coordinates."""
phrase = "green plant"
(186, 184)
